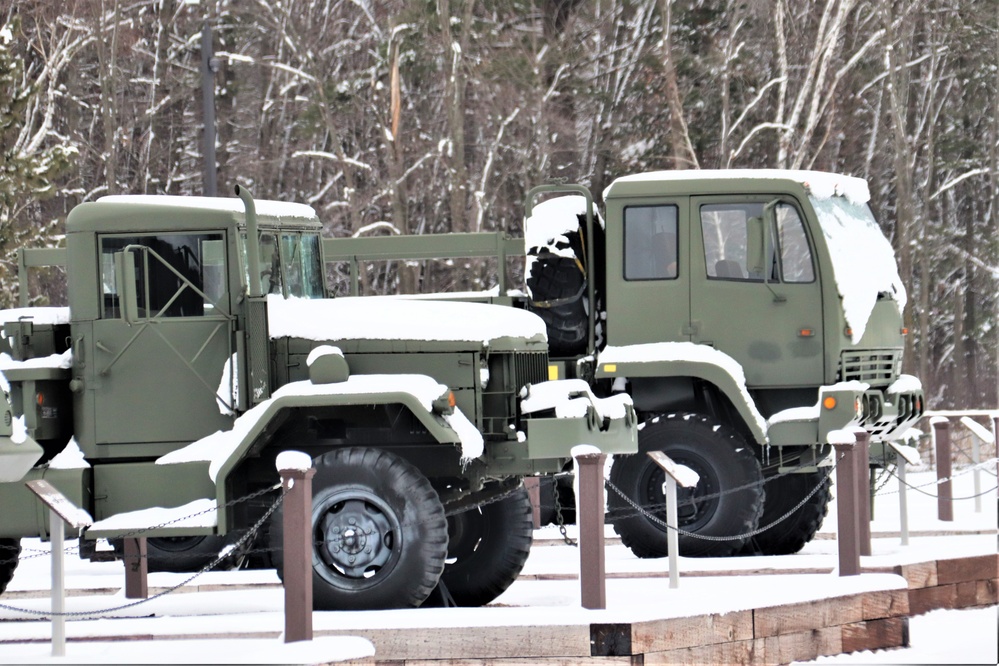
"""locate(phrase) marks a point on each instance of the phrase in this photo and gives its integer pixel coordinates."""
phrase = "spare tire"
(558, 295)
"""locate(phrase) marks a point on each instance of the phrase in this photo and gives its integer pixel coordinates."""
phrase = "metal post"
(590, 518)
(945, 493)
(903, 498)
(848, 533)
(672, 536)
(533, 485)
(57, 530)
(297, 560)
(136, 568)
(976, 457)
(864, 489)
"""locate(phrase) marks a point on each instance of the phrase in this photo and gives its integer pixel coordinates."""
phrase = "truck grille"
(530, 367)
(877, 367)
(508, 373)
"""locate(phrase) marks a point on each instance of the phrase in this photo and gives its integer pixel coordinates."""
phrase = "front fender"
(686, 359)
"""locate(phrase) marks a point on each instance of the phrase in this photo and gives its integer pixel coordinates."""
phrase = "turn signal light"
(905, 330)
(450, 399)
(848, 332)
(829, 402)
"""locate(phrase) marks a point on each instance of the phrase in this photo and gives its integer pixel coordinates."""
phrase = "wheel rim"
(357, 536)
(693, 510)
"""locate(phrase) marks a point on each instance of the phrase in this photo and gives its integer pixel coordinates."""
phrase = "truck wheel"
(182, 554)
(722, 460)
(379, 532)
(487, 548)
(790, 535)
(10, 551)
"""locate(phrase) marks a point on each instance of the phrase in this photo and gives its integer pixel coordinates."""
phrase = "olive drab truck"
(199, 343)
(747, 313)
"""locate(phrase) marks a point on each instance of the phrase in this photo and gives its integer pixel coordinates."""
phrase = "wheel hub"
(356, 538)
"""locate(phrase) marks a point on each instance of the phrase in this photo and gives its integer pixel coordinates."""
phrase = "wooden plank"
(987, 592)
(983, 567)
(876, 634)
(922, 574)
(682, 632)
(931, 598)
(475, 642)
(802, 646)
(887, 603)
(735, 652)
(796, 618)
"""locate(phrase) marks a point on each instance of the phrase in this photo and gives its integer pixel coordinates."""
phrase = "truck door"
(648, 282)
(755, 293)
(158, 376)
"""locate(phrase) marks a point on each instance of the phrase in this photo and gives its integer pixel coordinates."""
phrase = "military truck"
(199, 343)
(746, 312)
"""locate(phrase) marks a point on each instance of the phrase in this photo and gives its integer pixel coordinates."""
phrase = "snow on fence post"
(687, 478)
(136, 563)
(848, 491)
(296, 472)
(533, 486)
(590, 503)
(945, 492)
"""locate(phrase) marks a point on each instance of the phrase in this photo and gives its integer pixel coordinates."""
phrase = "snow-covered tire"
(722, 460)
(10, 551)
(378, 530)
(791, 534)
(487, 548)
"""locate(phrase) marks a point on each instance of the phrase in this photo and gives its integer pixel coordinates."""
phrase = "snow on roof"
(385, 318)
(684, 351)
(264, 207)
(46, 315)
(820, 184)
(219, 446)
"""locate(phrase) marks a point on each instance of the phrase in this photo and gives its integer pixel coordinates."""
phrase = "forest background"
(427, 116)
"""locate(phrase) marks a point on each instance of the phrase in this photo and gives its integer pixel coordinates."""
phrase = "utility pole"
(208, 67)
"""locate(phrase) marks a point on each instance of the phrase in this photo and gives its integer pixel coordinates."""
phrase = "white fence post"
(686, 477)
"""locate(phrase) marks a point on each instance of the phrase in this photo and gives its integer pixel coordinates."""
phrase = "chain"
(884, 474)
(560, 519)
(208, 567)
(937, 482)
(706, 537)
(919, 489)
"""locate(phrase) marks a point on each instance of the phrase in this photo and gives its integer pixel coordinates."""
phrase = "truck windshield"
(290, 264)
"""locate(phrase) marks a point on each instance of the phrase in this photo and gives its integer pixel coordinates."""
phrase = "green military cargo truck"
(746, 312)
(199, 344)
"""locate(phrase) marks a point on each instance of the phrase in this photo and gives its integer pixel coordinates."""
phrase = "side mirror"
(124, 278)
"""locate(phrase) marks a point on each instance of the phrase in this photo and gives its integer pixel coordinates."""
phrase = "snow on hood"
(684, 351)
(216, 448)
(387, 318)
(46, 315)
(863, 260)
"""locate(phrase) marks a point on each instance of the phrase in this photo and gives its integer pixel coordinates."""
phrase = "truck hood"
(387, 318)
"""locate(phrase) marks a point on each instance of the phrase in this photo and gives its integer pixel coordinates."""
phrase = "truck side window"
(795, 255)
(725, 229)
(650, 242)
(181, 275)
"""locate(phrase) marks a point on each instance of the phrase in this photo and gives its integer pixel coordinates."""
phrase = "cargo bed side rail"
(35, 257)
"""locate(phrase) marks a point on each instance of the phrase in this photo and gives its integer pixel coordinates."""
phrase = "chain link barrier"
(936, 482)
(222, 556)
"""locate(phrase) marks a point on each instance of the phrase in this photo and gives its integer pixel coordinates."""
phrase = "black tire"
(184, 554)
(558, 290)
(722, 460)
(791, 534)
(399, 554)
(10, 551)
(487, 548)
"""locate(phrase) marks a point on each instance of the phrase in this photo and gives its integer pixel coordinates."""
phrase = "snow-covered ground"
(222, 602)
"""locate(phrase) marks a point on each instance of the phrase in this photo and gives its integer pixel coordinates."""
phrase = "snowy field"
(249, 602)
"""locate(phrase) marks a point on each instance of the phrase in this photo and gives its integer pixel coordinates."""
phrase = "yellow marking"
(610, 367)
(552, 373)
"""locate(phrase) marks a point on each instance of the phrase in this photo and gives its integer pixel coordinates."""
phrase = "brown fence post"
(296, 479)
(590, 518)
(945, 492)
(848, 490)
(861, 458)
(533, 485)
(136, 568)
